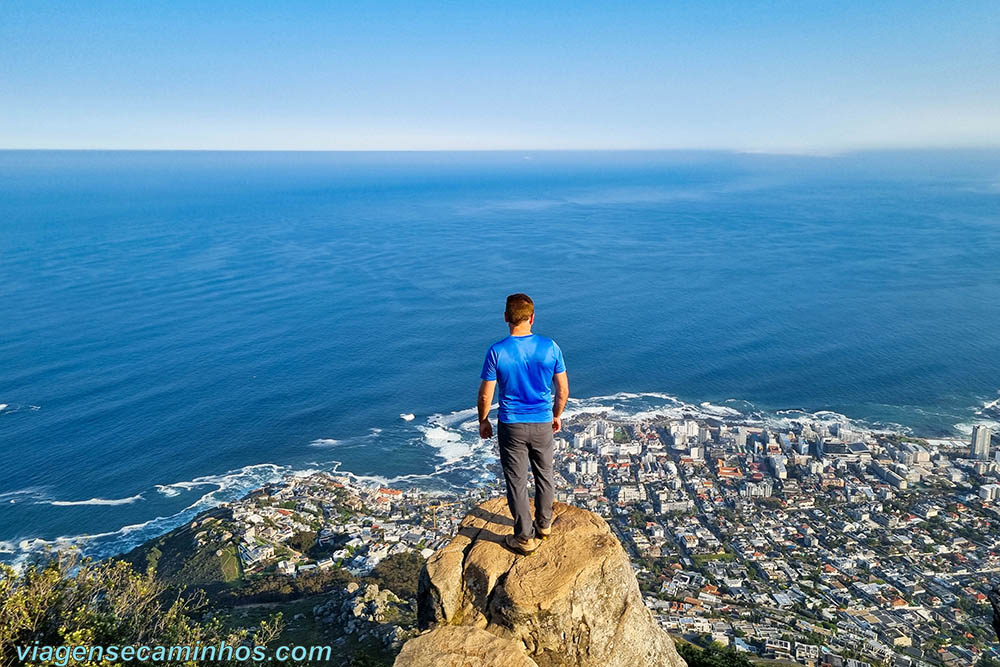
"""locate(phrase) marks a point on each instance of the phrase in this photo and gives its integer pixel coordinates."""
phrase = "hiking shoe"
(517, 546)
(542, 532)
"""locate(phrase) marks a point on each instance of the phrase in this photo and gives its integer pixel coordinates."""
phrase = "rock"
(994, 597)
(362, 611)
(574, 601)
(461, 646)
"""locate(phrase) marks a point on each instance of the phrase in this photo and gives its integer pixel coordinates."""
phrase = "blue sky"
(761, 76)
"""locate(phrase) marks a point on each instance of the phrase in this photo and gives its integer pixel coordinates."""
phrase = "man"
(526, 366)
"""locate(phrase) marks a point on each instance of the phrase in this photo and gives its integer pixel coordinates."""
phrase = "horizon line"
(740, 151)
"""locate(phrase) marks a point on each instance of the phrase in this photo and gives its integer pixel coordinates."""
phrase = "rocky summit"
(574, 601)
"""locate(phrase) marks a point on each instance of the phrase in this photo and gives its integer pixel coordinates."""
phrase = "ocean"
(180, 327)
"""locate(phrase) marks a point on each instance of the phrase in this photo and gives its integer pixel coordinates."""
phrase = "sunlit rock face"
(574, 601)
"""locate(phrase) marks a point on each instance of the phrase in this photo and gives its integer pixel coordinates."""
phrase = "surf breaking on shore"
(457, 459)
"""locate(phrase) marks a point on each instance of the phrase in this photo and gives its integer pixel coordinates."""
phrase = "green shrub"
(713, 655)
(399, 573)
(68, 602)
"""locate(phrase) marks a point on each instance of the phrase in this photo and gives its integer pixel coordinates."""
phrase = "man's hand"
(561, 383)
(483, 402)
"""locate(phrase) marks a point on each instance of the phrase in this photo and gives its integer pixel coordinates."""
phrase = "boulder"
(574, 601)
(462, 646)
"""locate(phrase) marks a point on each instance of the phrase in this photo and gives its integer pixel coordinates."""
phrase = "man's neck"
(520, 331)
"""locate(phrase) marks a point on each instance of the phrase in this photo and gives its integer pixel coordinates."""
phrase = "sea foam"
(449, 444)
(324, 442)
(95, 501)
(463, 459)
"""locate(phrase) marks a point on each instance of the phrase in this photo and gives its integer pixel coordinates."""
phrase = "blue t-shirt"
(523, 367)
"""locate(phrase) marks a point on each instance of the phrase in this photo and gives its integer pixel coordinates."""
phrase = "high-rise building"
(981, 435)
(989, 491)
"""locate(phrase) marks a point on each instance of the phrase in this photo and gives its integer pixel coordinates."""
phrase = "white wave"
(453, 418)
(829, 415)
(587, 409)
(11, 408)
(304, 473)
(450, 445)
(379, 480)
(719, 410)
(382, 480)
(28, 493)
(655, 413)
(95, 501)
(228, 486)
(462, 459)
(175, 489)
(118, 541)
(407, 416)
(965, 428)
(989, 408)
(629, 395)
(632, 406)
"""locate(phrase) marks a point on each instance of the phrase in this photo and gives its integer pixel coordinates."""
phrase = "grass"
(701, 559)
(230, 565)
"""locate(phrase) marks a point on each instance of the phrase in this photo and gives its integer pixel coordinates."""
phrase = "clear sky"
(768, 76)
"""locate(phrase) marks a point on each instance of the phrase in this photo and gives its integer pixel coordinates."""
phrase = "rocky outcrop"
(367, 613)
(574, 601)
(462, 646)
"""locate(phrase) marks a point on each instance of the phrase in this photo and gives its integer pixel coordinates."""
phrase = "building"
(989, 492)
(761, 489)
(981, 435)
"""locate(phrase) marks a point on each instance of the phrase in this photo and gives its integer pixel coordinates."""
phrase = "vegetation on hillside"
(276, 587)
(65, 602)
(400, 574)
(189, 558)
(714, 655)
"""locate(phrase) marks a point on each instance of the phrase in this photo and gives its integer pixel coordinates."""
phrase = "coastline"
(451, 439)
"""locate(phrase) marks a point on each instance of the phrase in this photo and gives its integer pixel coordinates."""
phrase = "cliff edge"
(574, 601)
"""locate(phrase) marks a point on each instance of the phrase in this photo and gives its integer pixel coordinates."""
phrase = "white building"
(989, 492)
(981, 435)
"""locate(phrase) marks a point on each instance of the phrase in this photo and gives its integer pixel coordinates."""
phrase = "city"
(816, 542)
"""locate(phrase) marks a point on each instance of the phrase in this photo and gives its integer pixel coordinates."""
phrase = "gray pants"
(522, 444)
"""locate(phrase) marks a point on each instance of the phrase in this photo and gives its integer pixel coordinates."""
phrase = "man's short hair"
(519, 309)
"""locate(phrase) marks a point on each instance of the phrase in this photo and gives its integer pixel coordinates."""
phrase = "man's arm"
(561, 382)
(484, 401)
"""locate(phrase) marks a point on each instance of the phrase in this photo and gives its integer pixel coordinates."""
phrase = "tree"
(399, 573)
(714, 655)
(302, 542)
